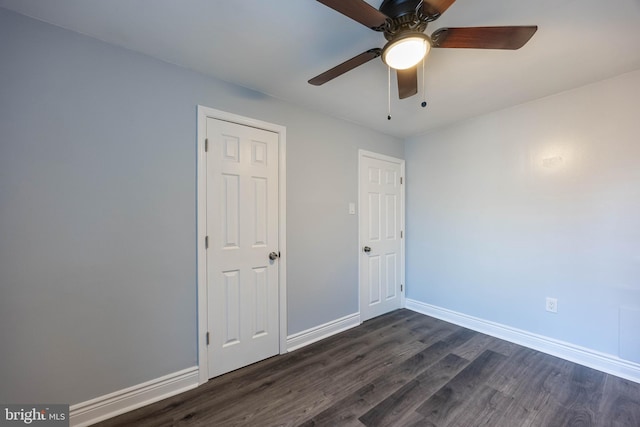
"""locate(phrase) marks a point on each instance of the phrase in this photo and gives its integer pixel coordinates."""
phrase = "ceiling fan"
(403, 23)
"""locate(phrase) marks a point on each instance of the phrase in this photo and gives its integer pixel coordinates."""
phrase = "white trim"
(320, 332)
(203, 114)
(128, 399)
(282, 237)
(583, 356)
(201, 253)
(361, 154)
(378, 156)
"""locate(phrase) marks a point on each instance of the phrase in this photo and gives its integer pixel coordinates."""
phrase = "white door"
(242, 229)
(381, 228)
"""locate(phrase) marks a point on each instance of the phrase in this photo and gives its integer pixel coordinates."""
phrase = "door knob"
(367, 249)
(274, 255)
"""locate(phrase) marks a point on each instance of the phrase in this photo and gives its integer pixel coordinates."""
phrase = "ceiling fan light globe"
(406, 52)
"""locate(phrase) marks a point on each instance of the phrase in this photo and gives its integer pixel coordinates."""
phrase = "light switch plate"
(352, 208)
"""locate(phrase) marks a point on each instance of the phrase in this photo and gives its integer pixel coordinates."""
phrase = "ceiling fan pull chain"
(424, 88)
(388, 93)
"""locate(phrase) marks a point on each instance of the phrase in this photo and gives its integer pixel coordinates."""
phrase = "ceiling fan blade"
(435, 7)
(407, 82)
(346, 66)
(359, 11)
(483, 37)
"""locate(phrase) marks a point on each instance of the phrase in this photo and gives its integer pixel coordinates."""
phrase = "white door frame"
(201, 201)
(370, 154)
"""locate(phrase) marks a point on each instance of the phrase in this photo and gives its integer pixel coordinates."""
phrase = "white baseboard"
(317, 333)
(128, 399)
(113, 404)
(580, 355)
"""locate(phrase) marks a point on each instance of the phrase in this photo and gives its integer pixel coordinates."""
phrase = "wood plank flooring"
(403, 369)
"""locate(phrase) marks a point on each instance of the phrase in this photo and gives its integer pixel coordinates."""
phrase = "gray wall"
(539, 200)
(98, 206)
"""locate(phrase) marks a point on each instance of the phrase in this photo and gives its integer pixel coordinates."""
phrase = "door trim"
(201, 227)
(370, 154)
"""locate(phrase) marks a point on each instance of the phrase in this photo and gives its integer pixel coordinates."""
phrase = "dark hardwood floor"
(403, 369)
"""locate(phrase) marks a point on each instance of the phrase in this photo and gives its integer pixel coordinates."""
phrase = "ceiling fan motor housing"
(405, 16)
(398, 8)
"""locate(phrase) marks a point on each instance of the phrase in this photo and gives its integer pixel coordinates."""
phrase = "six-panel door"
(242, 225)
(380, 228)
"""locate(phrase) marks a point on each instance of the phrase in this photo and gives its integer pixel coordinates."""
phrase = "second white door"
(381, 234)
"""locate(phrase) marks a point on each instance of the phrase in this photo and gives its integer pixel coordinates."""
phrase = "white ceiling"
(275, 46)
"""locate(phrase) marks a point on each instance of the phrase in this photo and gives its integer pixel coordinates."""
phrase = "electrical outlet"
(552, 305)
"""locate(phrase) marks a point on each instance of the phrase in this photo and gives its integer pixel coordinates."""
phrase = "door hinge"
(207, 338)
(401, 234)
(400, 179)
(401, 287)
(206, 145)
(206, 242)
